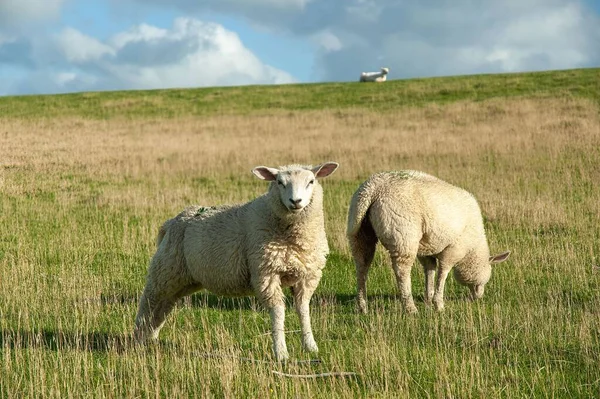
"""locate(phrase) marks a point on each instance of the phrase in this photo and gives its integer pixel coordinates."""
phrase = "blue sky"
(98, 19)
(55, 46)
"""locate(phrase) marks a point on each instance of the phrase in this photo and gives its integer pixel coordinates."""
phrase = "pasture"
(87, 179)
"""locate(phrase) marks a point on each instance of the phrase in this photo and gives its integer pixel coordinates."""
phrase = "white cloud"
(281, 4)
(412, 38)
(266, 15)
(535, 39)
(202, 54)
(64, 78)
(79, 48)
(140, 33)
(18, 14)
(364, 11)
(4, 39)
(435, 37)
(557, 35)
(327, 41)
(190, 54)
(461, 39)
(268, 6)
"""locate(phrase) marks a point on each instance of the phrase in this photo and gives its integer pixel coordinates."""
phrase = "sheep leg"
(164, 286)
(153, 309)
(429, 265)
(363, 250)
(155, 306)
(402, 266)
(269, 292)
(303, 292)
(440, 283)
(446, 260)
(277, 314)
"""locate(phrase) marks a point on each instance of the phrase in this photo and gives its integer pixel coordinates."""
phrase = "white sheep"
(380, 76)
(275, 241)
(416, 215)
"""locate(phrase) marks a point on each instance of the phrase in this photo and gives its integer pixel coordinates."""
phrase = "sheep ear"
(499, 258)
(264, 173)
(325, 169)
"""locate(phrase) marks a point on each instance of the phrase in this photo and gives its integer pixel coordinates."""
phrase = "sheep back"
(229, 249)
(417, 206)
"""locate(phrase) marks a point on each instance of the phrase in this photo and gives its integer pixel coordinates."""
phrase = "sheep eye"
(280, 182)
(310, 182)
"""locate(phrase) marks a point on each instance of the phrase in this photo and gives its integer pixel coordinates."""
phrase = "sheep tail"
(362, 200)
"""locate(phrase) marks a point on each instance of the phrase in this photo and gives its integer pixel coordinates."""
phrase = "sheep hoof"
(362, 308)
(311, 347)
(142, 337)
(411, 309)
(282, 357)
(281, 352)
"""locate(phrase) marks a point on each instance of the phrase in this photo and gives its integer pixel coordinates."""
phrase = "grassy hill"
(87, 179)
(173, 103)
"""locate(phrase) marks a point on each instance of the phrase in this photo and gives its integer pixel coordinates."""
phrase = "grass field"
(87, 179)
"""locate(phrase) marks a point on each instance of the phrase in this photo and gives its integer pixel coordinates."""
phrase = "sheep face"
(477, 290)
(295, 183)
(477, 281)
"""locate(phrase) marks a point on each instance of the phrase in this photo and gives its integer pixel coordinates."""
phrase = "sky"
(59, 46)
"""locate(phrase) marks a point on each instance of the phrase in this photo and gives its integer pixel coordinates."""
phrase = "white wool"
(416, 215)
(260, 247)
(380, 76)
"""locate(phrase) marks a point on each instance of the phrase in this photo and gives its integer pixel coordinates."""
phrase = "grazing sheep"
(374, 76)
(275, 241)
(416, 215)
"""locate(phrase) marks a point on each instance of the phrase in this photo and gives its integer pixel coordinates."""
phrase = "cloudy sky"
(55, 46)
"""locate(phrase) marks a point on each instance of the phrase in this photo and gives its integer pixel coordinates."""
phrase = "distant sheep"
(416, 215)
(275, 241)
(380, 76)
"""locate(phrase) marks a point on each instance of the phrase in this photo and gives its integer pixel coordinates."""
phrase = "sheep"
(414, 214)
(374, 76)
(275, 241)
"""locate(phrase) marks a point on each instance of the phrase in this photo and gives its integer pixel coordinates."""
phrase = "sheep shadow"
(344, 300)
(201, 299)
(56, 340)
(206, 300)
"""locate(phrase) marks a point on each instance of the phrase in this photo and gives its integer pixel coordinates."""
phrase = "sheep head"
(477, 287)
(295, 183)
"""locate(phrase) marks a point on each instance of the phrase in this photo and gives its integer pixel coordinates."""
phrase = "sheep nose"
(295, 202)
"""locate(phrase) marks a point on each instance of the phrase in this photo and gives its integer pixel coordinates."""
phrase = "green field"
(87, 179)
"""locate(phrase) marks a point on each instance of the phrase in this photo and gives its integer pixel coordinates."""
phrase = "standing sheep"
(374, 76)
(275, 241)
(416, 215)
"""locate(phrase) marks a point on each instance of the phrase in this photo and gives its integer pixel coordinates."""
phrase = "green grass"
(79, 222)
(174, 103)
